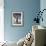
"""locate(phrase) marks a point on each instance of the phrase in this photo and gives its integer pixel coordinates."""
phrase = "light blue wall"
(43, 6)
(29, 7)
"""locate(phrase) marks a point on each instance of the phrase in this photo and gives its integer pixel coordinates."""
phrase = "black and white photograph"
(17, 18)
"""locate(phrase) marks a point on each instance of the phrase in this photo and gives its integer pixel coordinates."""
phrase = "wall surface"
(29, 7)
(43, 6)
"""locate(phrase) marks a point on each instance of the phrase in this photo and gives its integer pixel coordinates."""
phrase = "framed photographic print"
(17, 18)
